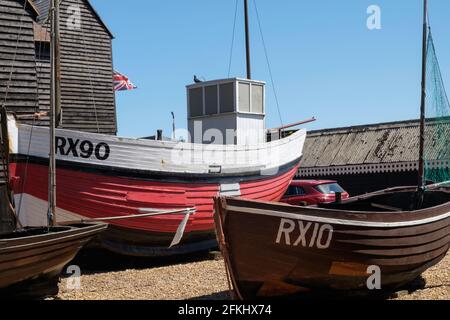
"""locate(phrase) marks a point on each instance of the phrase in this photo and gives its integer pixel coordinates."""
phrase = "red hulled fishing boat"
(101, 176)
(157, 195)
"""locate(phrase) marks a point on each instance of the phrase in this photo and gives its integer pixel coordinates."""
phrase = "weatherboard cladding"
(88, 98)
(388, 147)
(17, 54)
(87, 92)
(43, 7)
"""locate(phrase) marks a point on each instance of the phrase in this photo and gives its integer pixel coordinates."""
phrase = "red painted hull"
(99, 195)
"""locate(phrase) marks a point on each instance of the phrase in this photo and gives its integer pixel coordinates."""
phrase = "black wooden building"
(88, 99)
(372, 157)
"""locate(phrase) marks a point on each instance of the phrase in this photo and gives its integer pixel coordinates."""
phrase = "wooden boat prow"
(32, 257)
(271, 248)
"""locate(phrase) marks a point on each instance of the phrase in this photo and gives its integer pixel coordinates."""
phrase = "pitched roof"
(383, 143)
(31, 5)
(44, 7)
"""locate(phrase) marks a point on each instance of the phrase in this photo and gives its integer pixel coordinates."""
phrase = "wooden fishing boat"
(381, 240)
(104, 176)
(136, 174)
(31, 259)
(34, 256)
(276, 249)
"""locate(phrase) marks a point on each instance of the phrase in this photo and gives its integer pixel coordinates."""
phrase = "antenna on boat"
(421, 180)
(173, 125)
(247, 40)
(55, 107)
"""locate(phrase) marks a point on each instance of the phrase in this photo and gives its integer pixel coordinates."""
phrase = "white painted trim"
(303, 217)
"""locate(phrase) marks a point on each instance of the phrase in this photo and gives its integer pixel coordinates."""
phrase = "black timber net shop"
(87, 92)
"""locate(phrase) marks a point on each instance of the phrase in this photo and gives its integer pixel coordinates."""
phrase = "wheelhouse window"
(226, 96)
(196, 102)
(211, 100)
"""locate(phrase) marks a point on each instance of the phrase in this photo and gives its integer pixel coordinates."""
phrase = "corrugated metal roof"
(376, 143)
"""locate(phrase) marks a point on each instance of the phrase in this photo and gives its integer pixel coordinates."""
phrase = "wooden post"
(57, 57)
(55, 105)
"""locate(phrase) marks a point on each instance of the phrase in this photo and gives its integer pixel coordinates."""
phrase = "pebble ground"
(197, 277)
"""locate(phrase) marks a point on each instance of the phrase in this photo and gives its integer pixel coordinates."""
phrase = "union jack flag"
(122, 82)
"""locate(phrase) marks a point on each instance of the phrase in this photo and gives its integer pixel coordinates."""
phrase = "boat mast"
(55, 105)
(247, 40)
(421, 180)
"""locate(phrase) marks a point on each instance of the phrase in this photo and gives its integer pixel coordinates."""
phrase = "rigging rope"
(37, 106)
(15, 53)
(11, 72)
(88, 68)
(268, 63)
(8, 86)
(232, 38)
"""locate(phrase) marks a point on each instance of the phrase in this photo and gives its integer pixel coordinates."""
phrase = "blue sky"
(325, 61)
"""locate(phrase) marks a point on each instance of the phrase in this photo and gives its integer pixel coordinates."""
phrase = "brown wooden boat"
(32, 259)
(275, 249)
(381, 240)
(35, 256)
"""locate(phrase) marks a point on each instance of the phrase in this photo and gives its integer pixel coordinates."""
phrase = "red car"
(310, 192)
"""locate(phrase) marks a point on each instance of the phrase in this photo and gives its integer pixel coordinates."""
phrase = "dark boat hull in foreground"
(275, 249)
(38, 255)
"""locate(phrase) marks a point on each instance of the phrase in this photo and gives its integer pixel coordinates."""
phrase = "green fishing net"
(437, 137)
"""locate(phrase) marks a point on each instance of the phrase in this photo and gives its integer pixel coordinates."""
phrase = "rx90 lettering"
(82, 149)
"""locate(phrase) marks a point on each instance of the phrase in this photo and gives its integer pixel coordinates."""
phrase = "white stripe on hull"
(304, 217)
